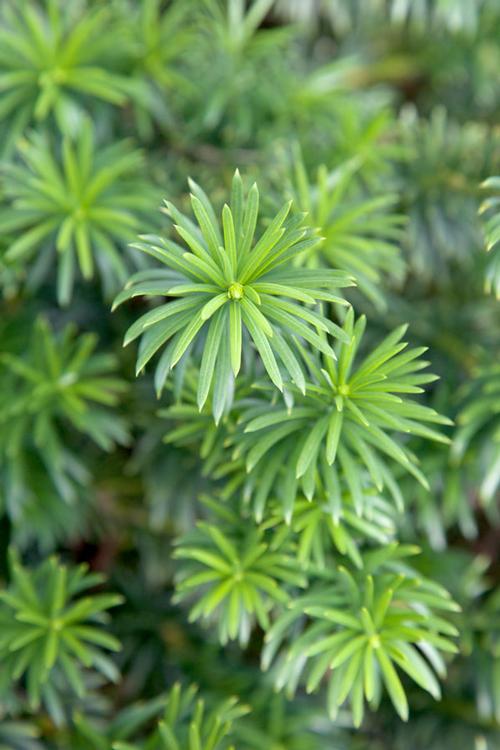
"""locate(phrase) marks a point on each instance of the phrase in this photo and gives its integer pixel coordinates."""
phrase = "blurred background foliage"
(381, 118)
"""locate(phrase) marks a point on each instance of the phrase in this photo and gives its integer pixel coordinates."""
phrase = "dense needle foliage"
(249, 376)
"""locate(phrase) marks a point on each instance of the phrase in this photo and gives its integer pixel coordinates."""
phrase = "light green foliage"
(321, 526)
(236, 573)
(56, 390)
(490, 209)
(178, 720)
(351, 627)
(343, 423)
(47, 629)
(77, 206)
(274, 719)
(356, 628)
(184, 723)
(361, 231)
(233, 287)
(55, 55)
(462, 16)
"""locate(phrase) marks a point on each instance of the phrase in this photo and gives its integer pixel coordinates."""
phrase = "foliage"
(361, 232)
(320, 526)
(478, 420)
(15, 735)
(363, 406)
(58, 384)
(158, 38)
(359, 627)
(492, 234)
(233, 287)
(45, 631)
(273, 720)
(55, 56)
(447, 158)
(76, 207)
(258, 496)
(239, 65)
(181, 720)
(238, 575)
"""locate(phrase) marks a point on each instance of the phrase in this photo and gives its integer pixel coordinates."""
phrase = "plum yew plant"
(58, 386)
(235, 47)
(360, 232)
(479, 421)
(335, 427)
(234, 288)
(241, 574)
(358, 627)
(76, 205)
(490, 209)
(342, 419)
(180, 720)
(54, 55)
(265, 411)
(155, 37)
(48, 628)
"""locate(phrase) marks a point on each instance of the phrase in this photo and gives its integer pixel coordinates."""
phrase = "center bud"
(235, 290)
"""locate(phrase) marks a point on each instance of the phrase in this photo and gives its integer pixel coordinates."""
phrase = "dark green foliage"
(443, 231)
(479, 422)
(16, 735)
